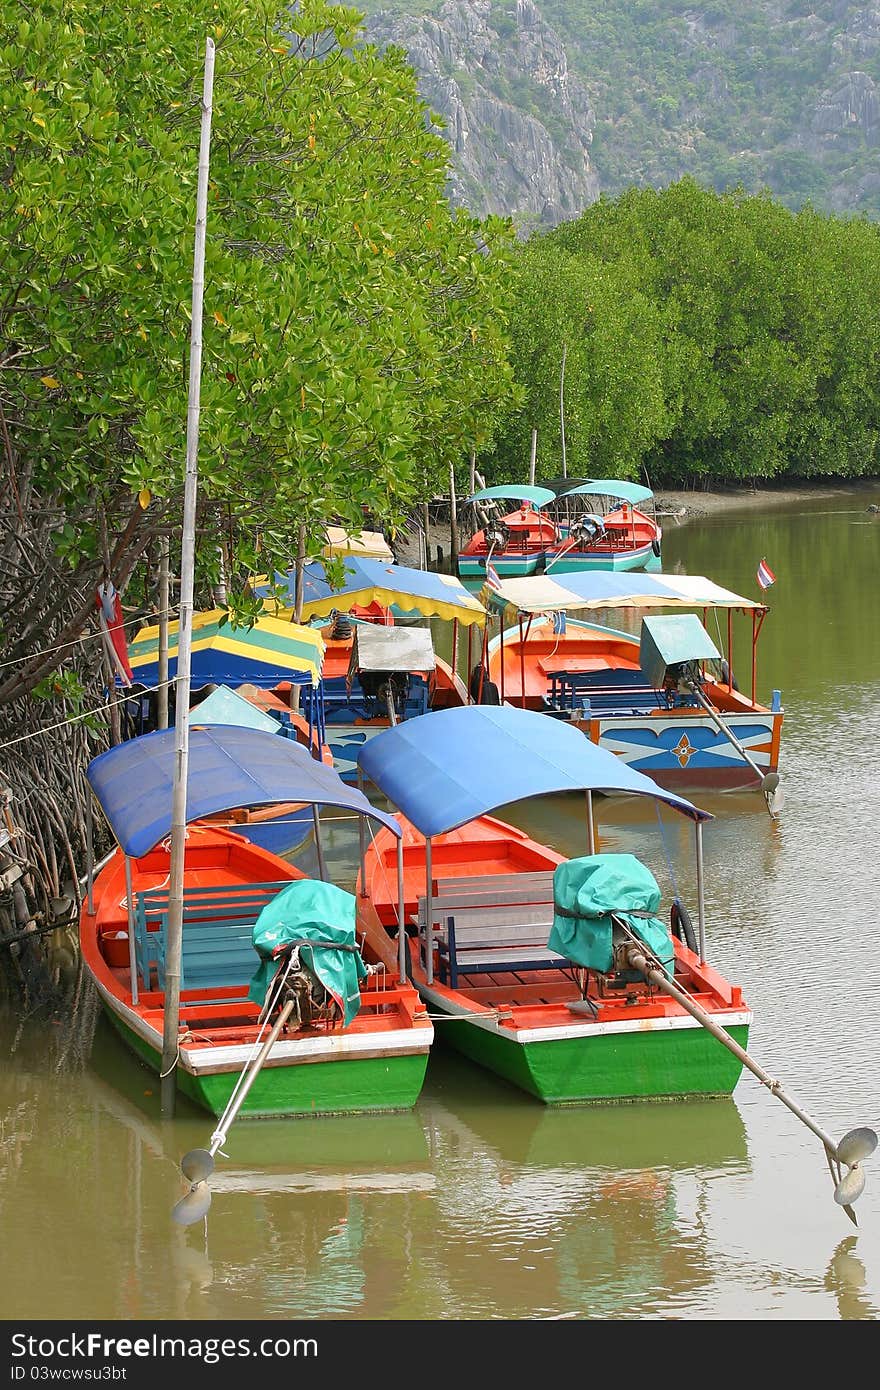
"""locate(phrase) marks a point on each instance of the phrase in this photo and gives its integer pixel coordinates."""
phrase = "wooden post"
(298, 601)
(534, 458)
(164, 600)
(184, 640)
(425, 524)
(453, 520)
(472, 474)
(112, 703)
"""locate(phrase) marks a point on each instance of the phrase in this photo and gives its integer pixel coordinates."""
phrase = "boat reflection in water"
(588, 1213)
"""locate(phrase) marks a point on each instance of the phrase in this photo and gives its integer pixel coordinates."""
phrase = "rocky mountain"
(547, 103)
(519, 123)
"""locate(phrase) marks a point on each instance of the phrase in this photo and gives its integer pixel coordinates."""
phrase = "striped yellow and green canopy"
(270, 651)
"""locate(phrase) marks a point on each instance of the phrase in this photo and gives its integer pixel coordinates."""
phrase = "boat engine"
(386, 691)
(312, 1003)
(496, 534)
(586, 530)
(680, 676)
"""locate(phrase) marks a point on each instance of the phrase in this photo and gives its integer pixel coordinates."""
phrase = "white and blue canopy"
(445, 768)
(588, 589)
(610, 487)
(228, 767)
(515, 492)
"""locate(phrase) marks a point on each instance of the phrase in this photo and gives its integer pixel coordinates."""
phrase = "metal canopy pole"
(322, 867)
(701, 903)
(429, 919)
(132, 951)
(401, 913)
(362, 839)
(90, 858)
(184, 640)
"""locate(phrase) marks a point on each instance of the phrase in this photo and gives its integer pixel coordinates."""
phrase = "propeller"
(194, 1206)
(198, 1165)
(855, 1146)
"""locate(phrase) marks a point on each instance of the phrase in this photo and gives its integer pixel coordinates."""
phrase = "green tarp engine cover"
(585, 893)
(316, 912)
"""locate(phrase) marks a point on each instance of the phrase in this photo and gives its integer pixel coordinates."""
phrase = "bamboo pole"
(533, 459)
(562, 408)
(472, 473)
(184, 640)
(453, 520)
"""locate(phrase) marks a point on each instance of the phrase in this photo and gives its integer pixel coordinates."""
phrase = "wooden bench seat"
(491, 922)
(218, 923)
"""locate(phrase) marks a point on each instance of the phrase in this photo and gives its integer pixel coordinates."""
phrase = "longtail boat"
(514, 543)
(377, 667)
(620, 536)
(355, 1042)
(666, 700)
(522, 953)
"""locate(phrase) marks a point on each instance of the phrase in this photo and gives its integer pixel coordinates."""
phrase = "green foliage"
(714, 337)
(354, 328)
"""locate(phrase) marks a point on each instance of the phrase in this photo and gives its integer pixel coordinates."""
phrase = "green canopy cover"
(587, 891)
(319, 913)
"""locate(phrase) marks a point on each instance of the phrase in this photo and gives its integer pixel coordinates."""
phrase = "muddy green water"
(481, 1204)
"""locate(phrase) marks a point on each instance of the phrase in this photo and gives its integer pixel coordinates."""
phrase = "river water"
(481, 1204)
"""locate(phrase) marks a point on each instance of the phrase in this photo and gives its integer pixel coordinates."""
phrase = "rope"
(74, 641)
(75, 718)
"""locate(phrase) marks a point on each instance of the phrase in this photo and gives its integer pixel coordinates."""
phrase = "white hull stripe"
(732, 1018)
(331, 1048)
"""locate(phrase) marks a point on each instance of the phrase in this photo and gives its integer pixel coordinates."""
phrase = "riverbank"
(687, 504)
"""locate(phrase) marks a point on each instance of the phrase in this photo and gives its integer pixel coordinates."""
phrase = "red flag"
(112, 631)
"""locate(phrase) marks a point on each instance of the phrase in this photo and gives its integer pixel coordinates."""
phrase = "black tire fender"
(681, 925)
(655, 546)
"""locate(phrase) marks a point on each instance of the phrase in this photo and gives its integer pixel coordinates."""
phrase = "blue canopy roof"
(515, 492)
(366, 580)
(445, 768)
(228, 767)
(611, 487)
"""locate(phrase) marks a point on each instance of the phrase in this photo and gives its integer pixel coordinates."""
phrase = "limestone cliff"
(519, 123)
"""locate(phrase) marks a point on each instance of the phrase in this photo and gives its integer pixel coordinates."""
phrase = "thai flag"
(492, 578)
(559, 623)
(765, 576)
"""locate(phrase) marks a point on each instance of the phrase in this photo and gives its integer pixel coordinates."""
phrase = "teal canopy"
(515, 492)
(323, 916)
(611, 487)
(587, 891)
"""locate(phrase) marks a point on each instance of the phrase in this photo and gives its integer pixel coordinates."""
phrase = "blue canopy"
(367, 581)
(611, 487)
(228, 767)
(445, 768)
(515, 492)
